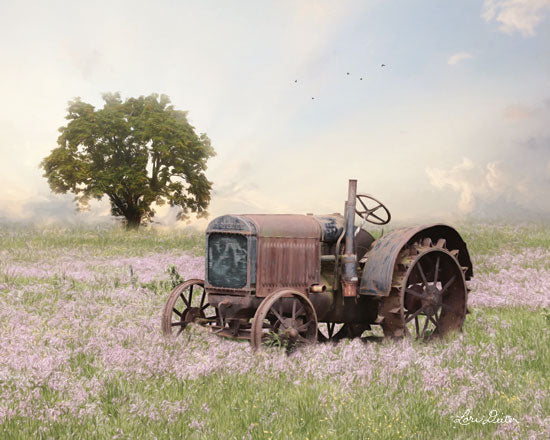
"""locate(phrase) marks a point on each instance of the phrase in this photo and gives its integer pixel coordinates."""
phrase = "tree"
(135, 152)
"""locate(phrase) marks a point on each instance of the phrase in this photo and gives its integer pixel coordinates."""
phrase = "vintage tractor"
(274, 278)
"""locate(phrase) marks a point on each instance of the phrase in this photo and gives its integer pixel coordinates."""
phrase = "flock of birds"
(347, 74)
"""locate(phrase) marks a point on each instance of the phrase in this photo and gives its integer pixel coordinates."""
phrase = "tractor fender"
(380, 260)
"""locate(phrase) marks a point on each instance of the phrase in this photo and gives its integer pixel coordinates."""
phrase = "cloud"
(474, 182)
(458, 57)
(516, 15)
(514, 187)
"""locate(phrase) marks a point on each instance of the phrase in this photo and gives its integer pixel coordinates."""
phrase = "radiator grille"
(287, 262)
(227, 260)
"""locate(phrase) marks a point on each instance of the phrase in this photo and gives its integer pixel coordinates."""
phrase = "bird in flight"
(383, 65)
(347, 73)
(295, 80)
(361, 79)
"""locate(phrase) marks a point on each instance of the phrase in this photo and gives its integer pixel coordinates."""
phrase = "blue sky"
(456, 125)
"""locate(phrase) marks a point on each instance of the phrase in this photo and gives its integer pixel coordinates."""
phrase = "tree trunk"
(133, 222)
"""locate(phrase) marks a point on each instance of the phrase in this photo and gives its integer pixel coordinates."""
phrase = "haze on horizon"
(454, 126)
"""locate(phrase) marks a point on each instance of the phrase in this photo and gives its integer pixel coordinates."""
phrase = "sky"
(456, 125)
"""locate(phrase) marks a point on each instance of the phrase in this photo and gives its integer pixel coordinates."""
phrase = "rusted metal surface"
(428, 295)
(187, 303)
(285, 225)
(287, 262)
(380, 264)
(350, 220)
(369, 214)
(286, 316)
(232, 223)
(289, 252)
(317, 288)
(332, 227)
(349, 259)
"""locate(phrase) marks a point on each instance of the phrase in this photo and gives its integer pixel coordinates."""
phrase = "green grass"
(234, 406)
(22, 241)
(514, 354)
(489, 238)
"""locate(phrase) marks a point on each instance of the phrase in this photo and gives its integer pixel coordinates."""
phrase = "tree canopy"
(136, 152)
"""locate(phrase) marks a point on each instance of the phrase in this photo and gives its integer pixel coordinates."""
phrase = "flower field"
(82, 355)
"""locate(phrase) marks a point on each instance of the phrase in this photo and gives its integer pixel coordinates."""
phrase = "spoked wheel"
(428, 296)
(284, 318)
(187, 304)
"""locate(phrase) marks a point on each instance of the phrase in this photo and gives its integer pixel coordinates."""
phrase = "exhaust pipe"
(349, 259)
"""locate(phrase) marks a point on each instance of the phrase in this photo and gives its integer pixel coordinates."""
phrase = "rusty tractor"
(274, 279)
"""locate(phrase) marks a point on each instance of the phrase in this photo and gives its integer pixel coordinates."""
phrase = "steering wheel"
(370, 212)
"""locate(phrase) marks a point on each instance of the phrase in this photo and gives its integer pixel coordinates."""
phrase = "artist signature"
(493, 417)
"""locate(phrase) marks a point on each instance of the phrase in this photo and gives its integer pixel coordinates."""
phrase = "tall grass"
(82, 354)
(23, 241)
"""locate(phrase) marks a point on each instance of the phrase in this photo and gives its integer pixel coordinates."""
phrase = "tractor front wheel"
(187, 304)
(285, 318)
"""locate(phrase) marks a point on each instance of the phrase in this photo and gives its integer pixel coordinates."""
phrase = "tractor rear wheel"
(284, 318)
(428, 296)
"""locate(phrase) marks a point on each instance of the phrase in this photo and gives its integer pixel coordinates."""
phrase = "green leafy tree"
(136, 152)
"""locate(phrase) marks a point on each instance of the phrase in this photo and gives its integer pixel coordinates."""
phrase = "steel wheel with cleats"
(187, 304)
(286, 318)
(428, 296)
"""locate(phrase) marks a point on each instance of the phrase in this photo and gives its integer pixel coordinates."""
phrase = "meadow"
(82, 355)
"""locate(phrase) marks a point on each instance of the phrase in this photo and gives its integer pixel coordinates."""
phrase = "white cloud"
(458, 57)
(516, 15)
(495, 177)
(473, 182)
(459, 179)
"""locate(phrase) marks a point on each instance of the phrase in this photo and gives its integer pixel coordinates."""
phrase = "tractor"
(296, 279)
